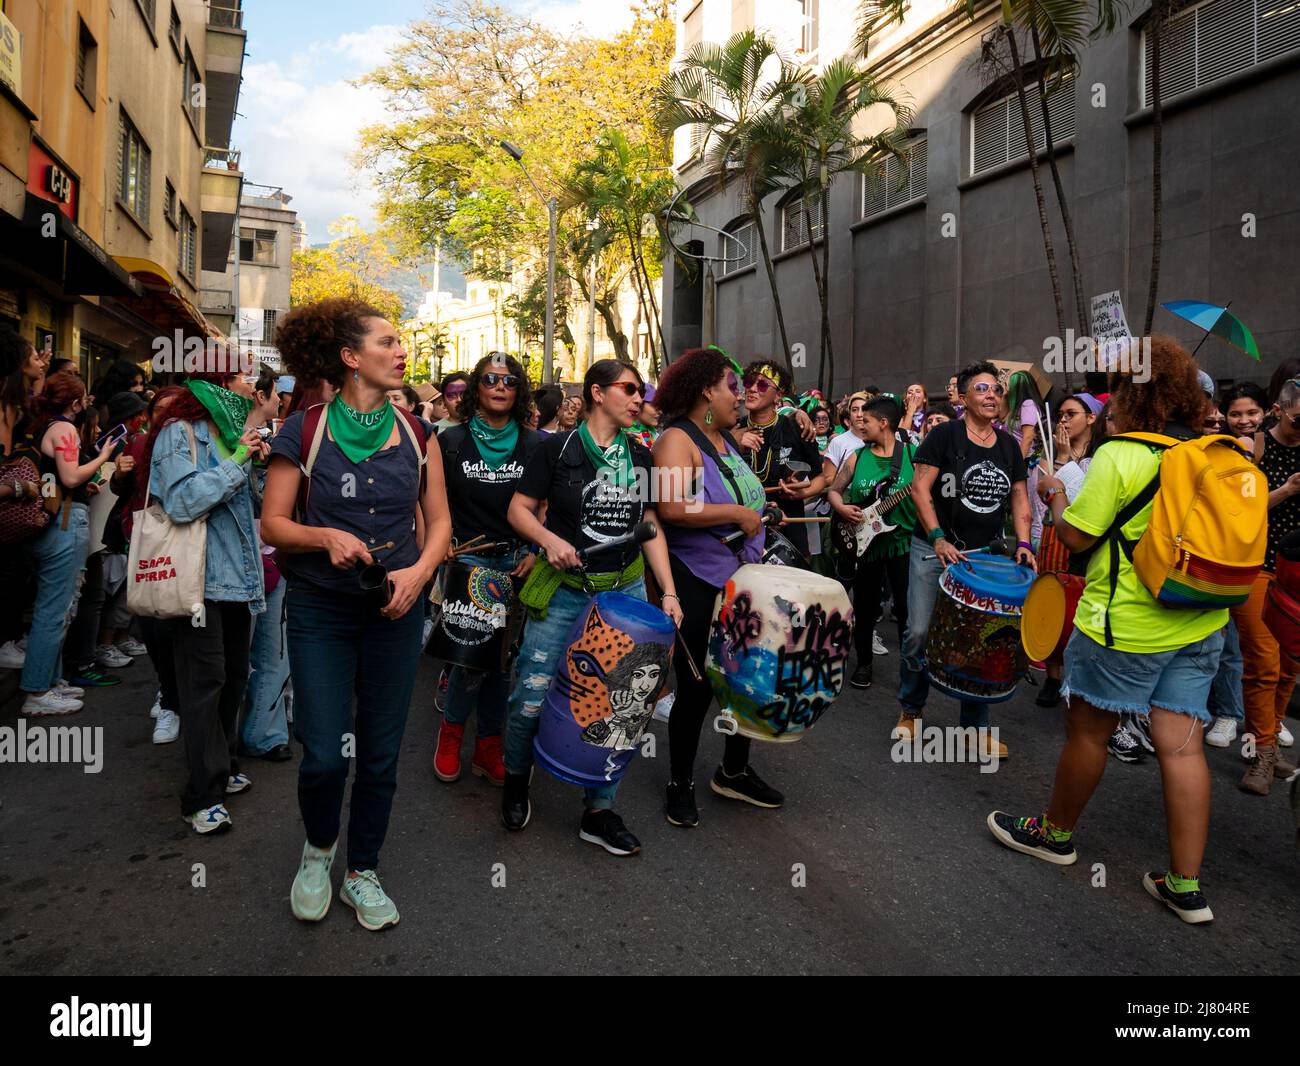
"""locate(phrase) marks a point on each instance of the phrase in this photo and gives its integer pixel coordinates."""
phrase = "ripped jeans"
(545, 640)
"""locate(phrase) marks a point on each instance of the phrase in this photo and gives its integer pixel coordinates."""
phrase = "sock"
(1055, 833)
(1182, 884)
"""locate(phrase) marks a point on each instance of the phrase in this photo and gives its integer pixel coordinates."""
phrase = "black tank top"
(81, 494)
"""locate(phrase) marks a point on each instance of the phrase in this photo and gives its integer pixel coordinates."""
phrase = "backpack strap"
(313, 433)
(709, 451)
(419, 441)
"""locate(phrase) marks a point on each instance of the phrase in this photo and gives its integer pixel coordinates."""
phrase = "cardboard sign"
(1108, 321)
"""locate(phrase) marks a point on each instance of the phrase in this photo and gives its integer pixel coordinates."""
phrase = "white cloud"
(594, 18)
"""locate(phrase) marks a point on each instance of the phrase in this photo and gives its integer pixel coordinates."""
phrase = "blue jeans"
(545, 640)
(1134, 682)
(338, 648)
(913, 680)
(1226, 699)
(266, 720)
(59, 557)
(477, 690)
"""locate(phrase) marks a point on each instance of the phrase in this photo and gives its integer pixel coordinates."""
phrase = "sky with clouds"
(299, 116)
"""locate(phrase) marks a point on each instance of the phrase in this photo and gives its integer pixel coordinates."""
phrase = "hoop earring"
(708, 417)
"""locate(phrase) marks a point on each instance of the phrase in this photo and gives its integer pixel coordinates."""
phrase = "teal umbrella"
(1218, 321)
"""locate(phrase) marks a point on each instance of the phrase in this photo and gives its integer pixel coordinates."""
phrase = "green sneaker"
(310, 895)
(365, 895)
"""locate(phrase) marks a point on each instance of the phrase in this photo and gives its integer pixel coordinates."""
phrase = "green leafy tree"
(355, 264)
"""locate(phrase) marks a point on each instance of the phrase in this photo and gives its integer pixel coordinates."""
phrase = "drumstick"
(681, 641)
(806, 520)
(477, 549)
(472, 541)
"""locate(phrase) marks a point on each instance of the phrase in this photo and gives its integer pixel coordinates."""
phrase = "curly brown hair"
(492, 361)
(685, 380)
(1171, 394)
(311, 337)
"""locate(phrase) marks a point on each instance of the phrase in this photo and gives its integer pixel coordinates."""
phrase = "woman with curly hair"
(345, 485)
(1129, 654)
(707, 491)
(483, 459)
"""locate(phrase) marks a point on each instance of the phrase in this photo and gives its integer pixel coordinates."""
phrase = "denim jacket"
(218, 489)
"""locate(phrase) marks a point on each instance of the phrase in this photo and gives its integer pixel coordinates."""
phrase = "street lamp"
(548, 375)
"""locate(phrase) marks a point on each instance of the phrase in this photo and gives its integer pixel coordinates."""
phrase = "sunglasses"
(492, 380)
(630, 388)
(982, 387)
(757, 381)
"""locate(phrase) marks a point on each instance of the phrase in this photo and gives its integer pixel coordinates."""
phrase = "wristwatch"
(1052, 491)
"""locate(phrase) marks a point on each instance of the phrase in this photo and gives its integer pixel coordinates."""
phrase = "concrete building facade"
(943, 263)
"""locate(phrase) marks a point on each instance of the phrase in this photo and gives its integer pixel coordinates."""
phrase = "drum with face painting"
(974, 650)
(778, 650)
(604, 692)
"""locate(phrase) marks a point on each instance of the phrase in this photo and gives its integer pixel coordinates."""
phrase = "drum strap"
(708, 451)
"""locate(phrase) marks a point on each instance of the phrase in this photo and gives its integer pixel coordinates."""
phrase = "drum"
(1047, 618)
(778, 650)
(476, 605)
(604, 691)
(974, 650)
(778, 551)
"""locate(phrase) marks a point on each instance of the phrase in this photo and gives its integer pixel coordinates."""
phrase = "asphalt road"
(900, 874)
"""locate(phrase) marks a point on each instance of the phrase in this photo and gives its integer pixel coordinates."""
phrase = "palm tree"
(819, 143)
(730, 91)
(1160, 11)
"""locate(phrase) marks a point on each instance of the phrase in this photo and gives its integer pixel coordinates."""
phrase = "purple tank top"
(699, 547)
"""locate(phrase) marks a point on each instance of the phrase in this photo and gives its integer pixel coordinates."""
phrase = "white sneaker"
(236, 784)
(167, 728)
(214, 819)
(12, 657)
(156, 709)
(108, 656)
(878, 645)
(132, 647)
(1284, 736)
(1222, 733)
(75, 691)
(52, 703)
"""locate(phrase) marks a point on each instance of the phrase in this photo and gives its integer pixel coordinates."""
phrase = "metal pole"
(548, 365)
(591, 316)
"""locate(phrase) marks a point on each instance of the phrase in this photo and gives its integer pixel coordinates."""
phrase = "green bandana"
(495, 445)
(617, 457)
(228, 410)
(359, 434)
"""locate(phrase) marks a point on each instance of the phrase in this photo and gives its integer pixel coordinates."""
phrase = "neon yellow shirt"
(1117, 473)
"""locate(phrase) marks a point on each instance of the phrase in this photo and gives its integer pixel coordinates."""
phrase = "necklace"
(753, 452)
(981, 436)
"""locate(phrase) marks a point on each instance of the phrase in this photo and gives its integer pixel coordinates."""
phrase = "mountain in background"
(411, 283)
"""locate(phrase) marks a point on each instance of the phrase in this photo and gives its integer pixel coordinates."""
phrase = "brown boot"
(906, 728)
(1282, 768)
(1259, 778)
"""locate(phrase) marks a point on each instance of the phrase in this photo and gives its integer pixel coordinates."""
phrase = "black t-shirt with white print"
(783, 443)
(972, 492)
(479, 498)
(584, 509)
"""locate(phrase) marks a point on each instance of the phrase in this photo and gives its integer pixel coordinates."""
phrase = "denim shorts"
(1125, 681)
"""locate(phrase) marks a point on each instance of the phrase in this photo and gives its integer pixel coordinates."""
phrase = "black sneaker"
(1050, 694)
(515, 808)
(1025, 834)
(1189, 906)
(1140, 726)
(1124, 745)
(862, 675)
(680, 809)
(746, 786)
(92, 678)
(607, 829)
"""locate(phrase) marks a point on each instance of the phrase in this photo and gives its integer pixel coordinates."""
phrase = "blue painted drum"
(974, 650)
(778, 650)
(603, 694)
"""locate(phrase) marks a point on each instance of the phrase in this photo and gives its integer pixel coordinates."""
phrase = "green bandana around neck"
(228, 410)
(617, 457)
(495, 445)
(359, 434)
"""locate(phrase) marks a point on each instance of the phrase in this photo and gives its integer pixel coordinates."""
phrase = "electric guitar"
(856, 539)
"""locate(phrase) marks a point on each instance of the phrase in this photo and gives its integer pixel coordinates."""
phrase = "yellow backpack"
(1205, 541)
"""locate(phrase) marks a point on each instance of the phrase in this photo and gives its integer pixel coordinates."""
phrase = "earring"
(708, 417)
(356, 375)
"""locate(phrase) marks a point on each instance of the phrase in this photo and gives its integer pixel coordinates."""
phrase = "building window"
(148, 9)
(800, 224)
(133, 169)
(743, 249)
(268, 326)
(187, 244)
(257, 246)
(1214, 40)
(808, 29)
(169, 202)
(87, 64)
(174, 33)
(997, 133)
(898, 182)
(192, 100)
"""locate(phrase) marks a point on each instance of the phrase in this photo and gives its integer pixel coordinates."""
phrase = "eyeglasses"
(492, 380)
(630, 388)
(989, 386)
(758, 382)
(1070, 414)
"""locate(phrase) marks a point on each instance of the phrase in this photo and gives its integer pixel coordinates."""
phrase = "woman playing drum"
(483, 459)
(705, 491)
(594, 481)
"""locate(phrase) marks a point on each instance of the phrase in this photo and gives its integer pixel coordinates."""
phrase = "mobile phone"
(112, 436)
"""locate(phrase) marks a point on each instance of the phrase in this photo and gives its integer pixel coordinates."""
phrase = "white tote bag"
(166, 566)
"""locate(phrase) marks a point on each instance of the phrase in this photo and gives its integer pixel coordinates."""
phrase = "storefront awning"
(161, 302)
(59, 250)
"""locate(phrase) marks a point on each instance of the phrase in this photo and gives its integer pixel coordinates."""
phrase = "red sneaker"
(487, 760)
(446, 760)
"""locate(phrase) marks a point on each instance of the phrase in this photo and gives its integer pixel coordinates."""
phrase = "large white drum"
(778, 650)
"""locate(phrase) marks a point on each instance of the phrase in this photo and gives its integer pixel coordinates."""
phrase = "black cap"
(125, 405)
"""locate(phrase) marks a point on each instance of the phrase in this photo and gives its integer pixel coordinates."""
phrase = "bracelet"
(240, 455)
(671, 596)
(935, 535)
(1024, 544)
